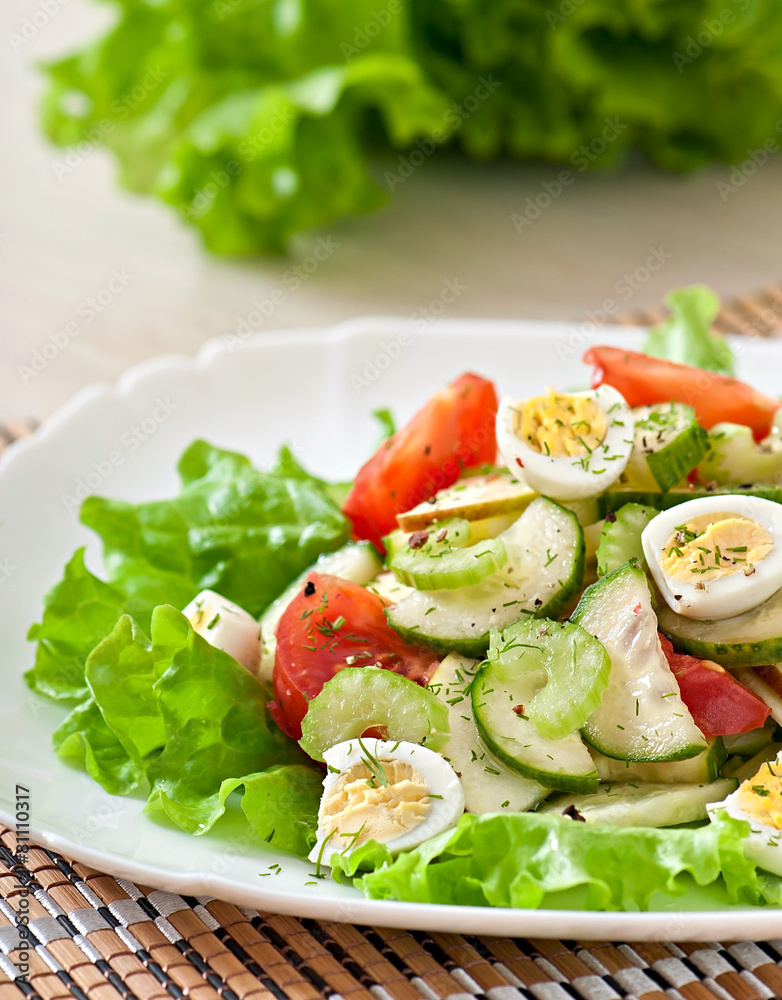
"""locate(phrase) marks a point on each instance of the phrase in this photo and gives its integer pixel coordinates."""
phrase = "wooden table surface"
(66, 239)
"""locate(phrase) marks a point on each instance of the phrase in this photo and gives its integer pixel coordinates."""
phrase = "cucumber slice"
(761, 681)
(545, 569)
(442, 559)
(575, 665)
(587, 510)
(498, 704)
(620, 538)
(489, 786)
(356, 561)
(749, 768)
(748, 744)
(473, 498)
(361, 698)
(734, 457)
(748, 640)
(700, 770)
(641, 715)
(668, 443)
(387, 587)
(642, 805)
(618, 496)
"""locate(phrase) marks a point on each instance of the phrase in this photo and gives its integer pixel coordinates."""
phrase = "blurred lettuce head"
(259, 119)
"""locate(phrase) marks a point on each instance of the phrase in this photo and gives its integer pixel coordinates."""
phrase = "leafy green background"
(256, 119)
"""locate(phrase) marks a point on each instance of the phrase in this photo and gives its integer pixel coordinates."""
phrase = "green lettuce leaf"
(121, 672)
(256, 121)
(233, 529)
(686, 337)
(85, 740)
(78, 612)
(187, 719)
(526, 859)
(217, 726)
(281, 805)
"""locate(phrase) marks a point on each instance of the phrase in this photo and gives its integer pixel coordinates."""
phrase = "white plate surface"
(315, 390)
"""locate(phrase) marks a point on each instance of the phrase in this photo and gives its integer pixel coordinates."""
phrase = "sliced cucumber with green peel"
(620, 538)
(544, 572)
(748, 744)
(642, 805)
(361, 698)
(618, 496)
(641, 715)
(668, 443)
(749, 640)
(699, 770)
(489, 785)
(443, 559)
(575, 664)
(733, 456)
(473, 498)
(356, 561)
(748, 769)
(499, 703)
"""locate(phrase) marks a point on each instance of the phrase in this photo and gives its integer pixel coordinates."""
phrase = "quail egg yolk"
(560, 425)
(379, 804)
(715, 545)
(761, 797)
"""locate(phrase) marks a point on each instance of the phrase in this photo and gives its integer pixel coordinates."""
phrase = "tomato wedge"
(643, 379)
(331, 624)
(719, 704)
(453, 431)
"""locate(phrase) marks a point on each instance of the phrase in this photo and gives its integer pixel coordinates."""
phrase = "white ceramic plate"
(314, 389)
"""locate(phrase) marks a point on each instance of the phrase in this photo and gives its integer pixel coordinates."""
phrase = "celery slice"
(361, 698)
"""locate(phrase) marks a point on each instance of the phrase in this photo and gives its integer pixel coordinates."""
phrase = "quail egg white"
(226, 626)
(396, 793)
(716, 557)
(570, 445)
(758, 801)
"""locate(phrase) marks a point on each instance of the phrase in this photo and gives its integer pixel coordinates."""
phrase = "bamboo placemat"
(84, 935)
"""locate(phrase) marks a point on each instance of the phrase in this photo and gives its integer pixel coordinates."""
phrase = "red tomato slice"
(643, 379)
(719, 704)
(453, 431)
(332, 624)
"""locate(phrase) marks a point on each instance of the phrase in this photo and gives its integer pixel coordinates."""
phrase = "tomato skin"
(310, 650)
(719, 704)
(453, 431)
(643, 380)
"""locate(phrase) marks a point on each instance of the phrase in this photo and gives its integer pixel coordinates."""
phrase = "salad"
(531, 655)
